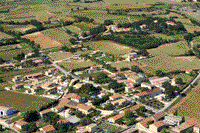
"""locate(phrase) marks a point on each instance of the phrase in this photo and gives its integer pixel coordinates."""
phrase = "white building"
(147, 85)
(6, 111)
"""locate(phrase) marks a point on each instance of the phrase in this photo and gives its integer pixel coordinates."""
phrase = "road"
(6, 125)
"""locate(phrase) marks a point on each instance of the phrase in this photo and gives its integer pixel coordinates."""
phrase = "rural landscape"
(99, 66)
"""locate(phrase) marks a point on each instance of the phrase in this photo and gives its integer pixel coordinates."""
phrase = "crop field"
(93, 75)
(85, 26)
(196, 41)
(74, 65)
(171, 14)
(44, 41)
(186, 78)
(109, 47)
(58, 34)
(18, 28)
(60, 55)
(100, 16)
(74, 29)
(110, 128)
(4, 36)
(190, 105)
(22, 102)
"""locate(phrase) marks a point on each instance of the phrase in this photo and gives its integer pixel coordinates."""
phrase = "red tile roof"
(48, 128)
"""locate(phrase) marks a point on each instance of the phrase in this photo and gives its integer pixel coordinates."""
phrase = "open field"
(109, 47)
(44, 41)
(186, 78)
(4, 36)
(22, 102)
(100, 16)
(196, 41)
(18, 28)
(74, 65)
(93, 75)
(84, 26)
(74, 29)
(58, 34)
(60, 55)
(190, 105)
(110, 128)
(171, 14)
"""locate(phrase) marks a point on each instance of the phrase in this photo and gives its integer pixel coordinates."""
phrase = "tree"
(1, 61)
(72, 40)
(31, 116)
(143, 52)
(179, 81)
(109, 107)
(108, 22)
(128, 114)
(1, 128)
(149, 123)
(189, 38)
(85, 121)
(20, 57)
(102, 78)
(30, 127)
(159, 73)
(84, 34)
(51, 117)
(175, 113)
(136, 69)
(124, 69)
(189, 131)
(163, 130)
(79, 114)
(131, 121)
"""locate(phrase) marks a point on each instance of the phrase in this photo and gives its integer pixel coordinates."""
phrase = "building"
(6, 111)
(76, 98)
(17, 78)
(188, 71)
(129, 88)
(157, 81)
(115, 118)
(17, 86)
(135, 79)
(115, 97)
(47, 129)
(8, 88)
(196, 128)
(48, 86)
(51, 71)
(94, 69)
(92, 128)
(157, 126)
(64, 122)
(143, 26)
(36, 88)
(182, 128)
(159, 116)
(60, 79)
(19, 124)
(33, 76)
(44, 112)
(148, 93)
(78, 85)
(173, 120)
(119, 101)
(73, 120)
(147, 85)
(132, 108)
(58, 108)
(85, 109)
(130, 56)
(170, 23)
(28, 86)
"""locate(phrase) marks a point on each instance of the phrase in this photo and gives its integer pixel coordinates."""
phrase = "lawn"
(22, 102)
(190, 105)
(58, 34)
(60, 55)
(74, 65)
(110, 128)
(93, 75)
(5, 36)
(84, 26)
(109, 47)
(100, 16)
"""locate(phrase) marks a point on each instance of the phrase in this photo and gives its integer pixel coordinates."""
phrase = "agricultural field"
(186, 78)
(109, 47)
(4, 36)
(74, 65)
(22, 102)
(85, 26)
(93, 75)
(196, 41)
(18, 28)
(58, 34)
(60, 55)
(74, 29)
(190, 105)
(109, 127)
(100, 16)
(43, 40)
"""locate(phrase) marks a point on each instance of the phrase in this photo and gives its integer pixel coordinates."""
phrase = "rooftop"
(4, 108)
(115, 96)
(116, 117)
(48, 128)
(21, 123)
(159, 124)
(185, 125)
(148, 92)
(84, 107)
(133, 108)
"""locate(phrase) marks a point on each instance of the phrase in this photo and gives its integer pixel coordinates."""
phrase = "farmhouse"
(6, 111)
(58, 108)
(132, 108)
(147, 85)
(19, 124)
(74, 97)
(94, 69)
(47, 129)
(115, 118)
(85, 109)
(173, 120)
(157, 126)
(184, 126)
(159, 81)
(149, 93)
(130, 56)
(119, 101)
(115, 97)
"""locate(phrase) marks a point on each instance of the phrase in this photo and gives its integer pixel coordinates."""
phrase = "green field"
(4, 36)
(109, 47)
(58, 34)
(84, 26)
(93, 75)
(74, 65)
(110, 128)
(186, 78)
(61, 55)
(100, 16)
(74, 29)
(22, 102)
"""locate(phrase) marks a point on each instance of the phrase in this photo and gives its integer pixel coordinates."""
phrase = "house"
(19, 124)
(36, 88)
(159, 116)
(157, 126)
(155, 21)
(143, 26)
(115, 118)
(48, 86)
(94, 69)
(130, 56)
(182, 128)
(188, 71)
(17, 86)
(92, 128)
(135, 79)
(47, 129)
(147, 85)
(76, 98)
(78, 85)
(85, 109)
(172, 120)
(196, 128)
(6, 111)
(170, 23)
(17, 78)
(115, 97)
(157, 81)
(149, 93)
(119, 101)
(60, 78)
(28, 86)
(33, 76)
(64, 122)
(73, 120)
(38, 61)
(44, 112)
(8, 88)
(58, 108)
(132, 108)
(129, 88)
